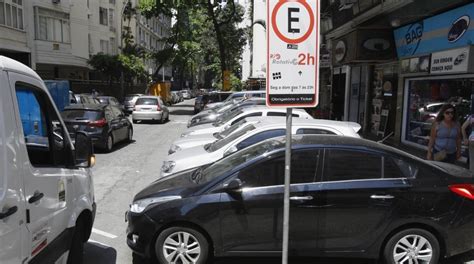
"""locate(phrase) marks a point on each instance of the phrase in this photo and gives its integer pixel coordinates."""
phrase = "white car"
(237, 95)
(150, 108)
(47, 205)
(339, 128)
(233, 117)
(250, 135)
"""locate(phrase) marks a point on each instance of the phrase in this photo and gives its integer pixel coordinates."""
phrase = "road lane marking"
(103, 233)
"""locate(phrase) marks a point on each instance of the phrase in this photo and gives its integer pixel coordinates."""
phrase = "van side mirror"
(234, 186)
(230, 151)
(83, 155)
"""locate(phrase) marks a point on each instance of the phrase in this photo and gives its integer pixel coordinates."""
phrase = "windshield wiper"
(197, 175)
(218, 135)
(207, 147)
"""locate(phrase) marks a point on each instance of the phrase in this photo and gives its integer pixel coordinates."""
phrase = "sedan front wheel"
(412, 246)
(181, 245)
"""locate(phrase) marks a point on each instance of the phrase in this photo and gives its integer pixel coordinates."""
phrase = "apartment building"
(13, 36)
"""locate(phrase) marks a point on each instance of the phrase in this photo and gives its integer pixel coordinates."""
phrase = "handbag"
(441, 155)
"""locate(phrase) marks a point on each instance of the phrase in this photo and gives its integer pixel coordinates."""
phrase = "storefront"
(360, 58)
(436, 68)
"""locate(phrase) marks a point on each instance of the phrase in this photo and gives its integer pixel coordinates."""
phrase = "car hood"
(174, 184)
(203, 129)
(191, 158)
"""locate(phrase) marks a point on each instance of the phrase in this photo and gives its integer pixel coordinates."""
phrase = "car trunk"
(83, 120)
(147, 105)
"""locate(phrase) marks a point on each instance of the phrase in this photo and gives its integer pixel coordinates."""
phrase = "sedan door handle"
(301, 198)
(36, 197)
(8, 212)
(381, 197)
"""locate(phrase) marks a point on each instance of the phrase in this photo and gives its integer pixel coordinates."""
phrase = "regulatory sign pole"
(286, 203)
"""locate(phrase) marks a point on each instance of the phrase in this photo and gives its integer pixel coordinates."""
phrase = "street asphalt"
(119, 175)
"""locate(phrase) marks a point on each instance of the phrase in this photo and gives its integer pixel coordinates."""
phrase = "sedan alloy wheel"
(181, 246)
(412, 246)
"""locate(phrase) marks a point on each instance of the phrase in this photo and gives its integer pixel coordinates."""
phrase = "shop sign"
(451, 61)
(442, 32)
(340, 51)
(292, 70)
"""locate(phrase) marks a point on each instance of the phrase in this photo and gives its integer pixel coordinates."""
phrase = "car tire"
(76, 251)
(130, 135)
(109, 144)
(199, 251)
(412, 243)
(134, 121)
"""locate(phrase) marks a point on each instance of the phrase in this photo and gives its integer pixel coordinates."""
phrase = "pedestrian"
(445, 137)
(469, 123)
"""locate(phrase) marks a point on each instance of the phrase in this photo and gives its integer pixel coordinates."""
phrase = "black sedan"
(349, 198)
(105, 124)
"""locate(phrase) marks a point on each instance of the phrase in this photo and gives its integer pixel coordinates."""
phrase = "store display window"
(425, 97)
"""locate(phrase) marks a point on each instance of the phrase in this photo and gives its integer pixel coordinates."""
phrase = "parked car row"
(221, 194)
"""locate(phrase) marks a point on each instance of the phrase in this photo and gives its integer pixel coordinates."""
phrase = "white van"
(47, 203)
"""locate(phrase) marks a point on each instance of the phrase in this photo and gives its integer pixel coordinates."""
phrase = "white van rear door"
(47, 181)
(11, 201)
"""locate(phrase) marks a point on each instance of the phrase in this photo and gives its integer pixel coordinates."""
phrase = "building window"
(111, 18)
(113, 46)
(91, 47)
(112, 2)
(426, 96)
(11, 13)
(103, 16)
(53, 26)
(104, 46)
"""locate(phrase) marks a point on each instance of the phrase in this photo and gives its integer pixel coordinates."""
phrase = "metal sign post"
(286, 203)
(292, 72)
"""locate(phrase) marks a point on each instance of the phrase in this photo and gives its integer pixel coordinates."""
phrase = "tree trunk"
(220, 41)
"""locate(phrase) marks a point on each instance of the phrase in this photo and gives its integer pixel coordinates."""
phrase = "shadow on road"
(117, 147)
(291, 261)
(96, 253)
(181, 105)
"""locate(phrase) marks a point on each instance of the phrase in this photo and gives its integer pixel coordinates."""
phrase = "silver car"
(231, 118)
(250, 135)
(129, 102)
(150, 108)
(237, 95)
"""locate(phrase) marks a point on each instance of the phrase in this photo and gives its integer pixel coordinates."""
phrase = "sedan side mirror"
(234, 186)
(83, 155)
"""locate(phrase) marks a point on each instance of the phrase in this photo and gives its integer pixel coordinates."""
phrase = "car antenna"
(385, 138)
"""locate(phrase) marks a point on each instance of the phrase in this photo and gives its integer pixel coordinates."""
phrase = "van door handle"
(381, 197)
(36, 197)
(8, 212)
(301, 198)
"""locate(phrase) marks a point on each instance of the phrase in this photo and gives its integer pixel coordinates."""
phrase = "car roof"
(8, 64)
(149, 97)
(275, 120)
(250, 92)
(264, 108)
(105, 96)
(93, 107)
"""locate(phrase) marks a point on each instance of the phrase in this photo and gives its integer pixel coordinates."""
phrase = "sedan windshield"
(222, 142)
(228, 163)
(79, 114)
(227, 117)
(230, 129)
(146, 101)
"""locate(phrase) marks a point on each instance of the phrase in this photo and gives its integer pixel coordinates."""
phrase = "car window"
(222, 142)
(260, 137)
(44, 134)
(146, 101)
(79, 114)
(103, 100)
(344, 165)
(117, 112)
(109, 115)
(231, 128)
(245, 116)
(397, 168)
(271, 172)
(314, 131)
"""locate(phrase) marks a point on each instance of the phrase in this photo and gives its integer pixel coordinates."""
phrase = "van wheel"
(109, 145)
(76, 252)
(181, 245)
(412, 246)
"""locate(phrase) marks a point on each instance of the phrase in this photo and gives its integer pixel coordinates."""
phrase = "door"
(356, 201)
(253, 219)
(44, 150)
(123, 124)
(11, 199)
(114, 122)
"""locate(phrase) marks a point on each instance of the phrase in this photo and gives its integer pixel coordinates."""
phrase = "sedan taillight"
(464, 190)
(99, 123)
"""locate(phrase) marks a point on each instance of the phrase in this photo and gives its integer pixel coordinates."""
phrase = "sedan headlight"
(173, 149)
(140, 205)
(168, 166)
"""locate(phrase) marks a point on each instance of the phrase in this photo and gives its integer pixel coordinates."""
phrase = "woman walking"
(445, 137)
